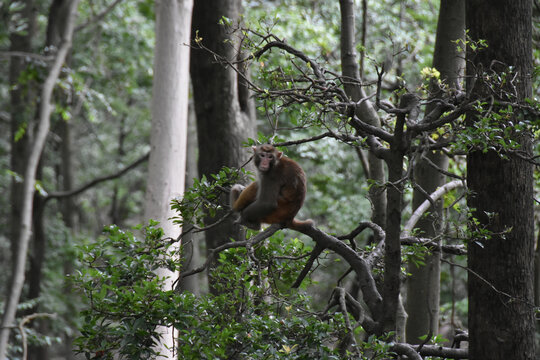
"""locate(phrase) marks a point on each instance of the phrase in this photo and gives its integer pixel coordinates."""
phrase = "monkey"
(276, 196)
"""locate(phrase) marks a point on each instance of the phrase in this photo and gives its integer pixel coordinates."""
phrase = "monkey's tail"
(300, 225)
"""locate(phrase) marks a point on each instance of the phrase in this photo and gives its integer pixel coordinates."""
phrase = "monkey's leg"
(241, 197)
(236, 190)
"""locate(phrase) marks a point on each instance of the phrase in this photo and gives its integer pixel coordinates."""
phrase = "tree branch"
(26, 55)
(314, 255)
(372, 296)
(432, 245)
(63, 194)
(407, 229)
(99, 16)
(231, 245)
(411, 351)
(281, 45)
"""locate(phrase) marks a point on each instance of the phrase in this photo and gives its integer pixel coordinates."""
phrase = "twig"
(98, 17)
(23, 322)
(490, 285)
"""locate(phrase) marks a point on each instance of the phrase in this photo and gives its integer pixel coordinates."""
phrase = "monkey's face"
(266, 157)
(265, 161)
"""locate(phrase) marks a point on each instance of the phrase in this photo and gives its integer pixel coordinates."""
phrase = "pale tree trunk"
(423, 285)
(222, 105)
(166, 167)
(45, 109)
(56, 24)
(501, 321)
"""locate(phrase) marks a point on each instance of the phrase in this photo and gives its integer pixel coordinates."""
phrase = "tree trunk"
(116, 201)
(501, 321)
(392, 247)
(56, 25)
(221, 105)
(68, 209)
(191, 242)
(45, 109)
(424, 283)
(167, 163)
(22, 116)
(365, 112)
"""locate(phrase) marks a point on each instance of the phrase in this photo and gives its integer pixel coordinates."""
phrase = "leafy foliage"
(250, 318)
(204, 197)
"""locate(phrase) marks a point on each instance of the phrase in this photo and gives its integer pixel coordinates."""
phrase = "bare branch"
(407, 229)
(314, 255)
(433, 245)
(26, 55)
(23, 322)
(365, 128)
(411, 351)
(490, 285)
(367, 283)
(281, 45)
(63, 194)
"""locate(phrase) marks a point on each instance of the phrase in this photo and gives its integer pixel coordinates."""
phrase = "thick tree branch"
(411, 351)
(372, 297)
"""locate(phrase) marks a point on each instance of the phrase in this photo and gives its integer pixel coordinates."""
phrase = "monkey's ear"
(254, 148)
(279, 154)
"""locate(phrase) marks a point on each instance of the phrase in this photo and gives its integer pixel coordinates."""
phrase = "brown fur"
(281, 195)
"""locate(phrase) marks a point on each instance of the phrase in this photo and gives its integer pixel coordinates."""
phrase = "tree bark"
(56, 25)
(45, 109)
(424, 283)
(392, 247)
(501, 194)
(221, 105)
(68, 210)
(365, 112)
(167, 163)
(22, 116)
(191, 242)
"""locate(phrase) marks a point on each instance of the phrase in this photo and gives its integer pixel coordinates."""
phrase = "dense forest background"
(125, 123)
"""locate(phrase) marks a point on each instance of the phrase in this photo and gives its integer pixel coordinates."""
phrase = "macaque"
(277, 195)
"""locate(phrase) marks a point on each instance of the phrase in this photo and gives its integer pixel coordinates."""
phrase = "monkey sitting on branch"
(277, 195)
